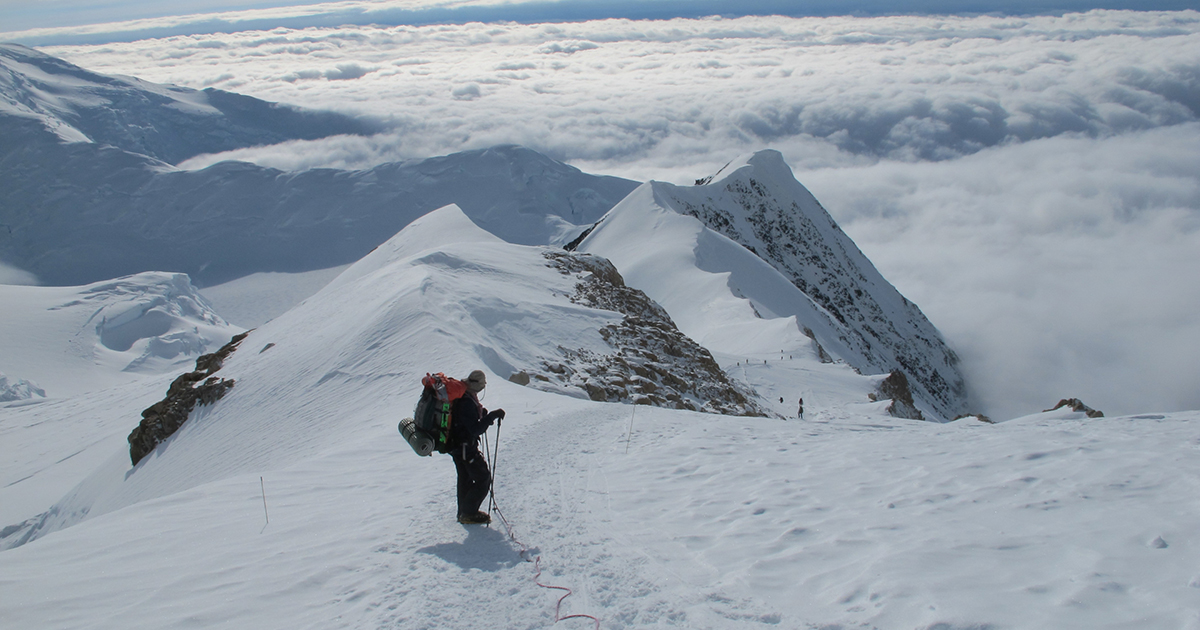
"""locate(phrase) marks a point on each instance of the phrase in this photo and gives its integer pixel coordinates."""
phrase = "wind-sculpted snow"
(71, 340)
(850, 309)
(18, 389)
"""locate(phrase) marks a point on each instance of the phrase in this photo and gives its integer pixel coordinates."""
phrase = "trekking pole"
(495, 457)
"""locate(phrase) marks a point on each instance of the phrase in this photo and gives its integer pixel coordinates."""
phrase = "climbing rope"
(491, 454)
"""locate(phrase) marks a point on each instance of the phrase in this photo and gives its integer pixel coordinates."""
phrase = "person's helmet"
(476, 382)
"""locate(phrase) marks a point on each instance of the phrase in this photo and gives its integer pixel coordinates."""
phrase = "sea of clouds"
(1033, 183)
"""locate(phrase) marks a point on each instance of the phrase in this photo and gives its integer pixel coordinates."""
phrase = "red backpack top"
(432, 414)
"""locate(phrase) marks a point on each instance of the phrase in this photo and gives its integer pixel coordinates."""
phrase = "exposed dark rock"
(703, 181)
(520, 378)
(574, 244)
(653, 363)
(1077, 405)
(163, 419)
(821, 353)
(978, 416)
(895, 387)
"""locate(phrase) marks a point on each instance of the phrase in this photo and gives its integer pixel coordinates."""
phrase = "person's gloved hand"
(495, 416)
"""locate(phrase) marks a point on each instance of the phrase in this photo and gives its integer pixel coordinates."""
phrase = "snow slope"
(755, 244)
(294, 503)
(442, 292)
(702, 523)
(113, 345)
(253, 300)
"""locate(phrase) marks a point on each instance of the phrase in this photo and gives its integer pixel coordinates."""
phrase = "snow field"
(707, 522)
(655, 518)
(50, 444)
(859, 521)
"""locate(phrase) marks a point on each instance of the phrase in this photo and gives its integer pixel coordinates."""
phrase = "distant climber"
(801, 412)
(469, 420)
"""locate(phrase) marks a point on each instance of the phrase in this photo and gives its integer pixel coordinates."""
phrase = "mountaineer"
(469, 420)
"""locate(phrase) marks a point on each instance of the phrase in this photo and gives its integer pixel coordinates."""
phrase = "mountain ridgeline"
(781, 222)
(847, 305)
(88, 192)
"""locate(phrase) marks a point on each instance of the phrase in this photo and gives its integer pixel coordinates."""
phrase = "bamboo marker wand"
(630, 438)
(264, 496)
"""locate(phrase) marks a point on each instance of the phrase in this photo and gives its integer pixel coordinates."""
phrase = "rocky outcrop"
(163, 419)
(652, 362)
(895, 388)
(1077, 405)
(820, 350)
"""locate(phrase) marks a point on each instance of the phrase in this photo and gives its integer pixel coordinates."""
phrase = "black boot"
(478, 518)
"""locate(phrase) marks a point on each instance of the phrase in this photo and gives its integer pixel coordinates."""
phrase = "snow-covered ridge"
(804, 273)
(109, 204)
(80, 213)
(167, 123)
(442, 295)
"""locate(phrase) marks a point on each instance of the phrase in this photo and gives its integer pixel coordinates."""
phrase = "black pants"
(474, 479)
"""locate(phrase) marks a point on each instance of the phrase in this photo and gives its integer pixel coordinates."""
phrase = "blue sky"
(22, 15)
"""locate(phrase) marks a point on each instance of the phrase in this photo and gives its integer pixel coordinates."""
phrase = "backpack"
(432, 415)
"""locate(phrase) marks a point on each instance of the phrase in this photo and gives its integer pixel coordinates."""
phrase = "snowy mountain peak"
(167, 123)
(767, 164)
(756, 203)
(83, 211)
(432, 232)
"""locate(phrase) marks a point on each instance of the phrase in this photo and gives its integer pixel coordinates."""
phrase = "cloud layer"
(1061, 267)
(1030, 182)
(105, 21)
(903, 88)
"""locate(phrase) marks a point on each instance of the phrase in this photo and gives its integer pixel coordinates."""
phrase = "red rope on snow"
(558, 606)
(537, 565)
